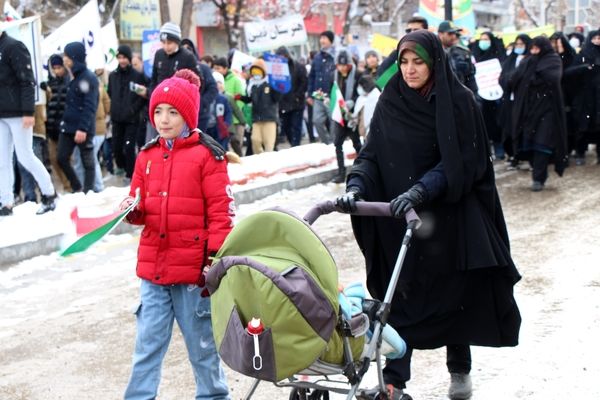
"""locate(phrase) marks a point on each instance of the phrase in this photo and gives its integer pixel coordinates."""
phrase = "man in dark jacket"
(17, 99)
(291, 105)
(320, 81)
(459, 56)
(78, 126)
(125, 108)
(56, 96)
(173, 57)
(347, 77)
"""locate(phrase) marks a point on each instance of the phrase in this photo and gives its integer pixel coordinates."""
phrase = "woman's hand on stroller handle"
(362, 208)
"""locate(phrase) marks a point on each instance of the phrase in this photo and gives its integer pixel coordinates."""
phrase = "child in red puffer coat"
(187, 210)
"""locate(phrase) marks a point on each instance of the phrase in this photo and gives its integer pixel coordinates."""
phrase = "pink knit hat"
(182, 91)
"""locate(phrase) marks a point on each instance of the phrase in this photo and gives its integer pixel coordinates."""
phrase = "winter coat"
(166, 65)
(264, 101)
(126, 105)
(233, 87)
(538, 115)
(221, 116)
(186, 208)
(82, 102)
(586, 102)
(17, 83)
(321, 73)
(208, 87)
(104, 107)
(56, 97)
(294, 99)
(456, 284)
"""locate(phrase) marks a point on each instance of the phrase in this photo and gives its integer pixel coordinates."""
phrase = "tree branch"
(529, 15)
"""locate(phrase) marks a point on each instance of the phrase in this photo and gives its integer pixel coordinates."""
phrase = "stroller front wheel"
(305, 394)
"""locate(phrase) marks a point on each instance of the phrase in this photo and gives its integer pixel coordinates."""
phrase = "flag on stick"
(86, 241)
(337, 105)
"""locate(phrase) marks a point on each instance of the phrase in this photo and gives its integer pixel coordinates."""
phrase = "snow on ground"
(67, 330)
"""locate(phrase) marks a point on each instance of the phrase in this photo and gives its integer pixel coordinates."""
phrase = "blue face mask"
(484, 44)
(519, 50)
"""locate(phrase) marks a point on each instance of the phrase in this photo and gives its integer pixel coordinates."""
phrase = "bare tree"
(186, 17)
(165, 14)
(231, 23)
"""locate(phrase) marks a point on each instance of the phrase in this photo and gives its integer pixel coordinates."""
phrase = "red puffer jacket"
(186, 206)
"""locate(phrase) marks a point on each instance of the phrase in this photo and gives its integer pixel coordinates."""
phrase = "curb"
(23, 251)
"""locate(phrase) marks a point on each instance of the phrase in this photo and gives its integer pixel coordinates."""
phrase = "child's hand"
(126, 203)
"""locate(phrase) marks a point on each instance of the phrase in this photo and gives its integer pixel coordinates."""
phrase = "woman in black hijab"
(427, 149)
(569, 83)
(509, 66)
(488, 47)
(586, 102)
(539, 126)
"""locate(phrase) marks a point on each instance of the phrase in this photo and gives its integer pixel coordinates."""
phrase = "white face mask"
(257, 77)
(574, 42)
(361, 91)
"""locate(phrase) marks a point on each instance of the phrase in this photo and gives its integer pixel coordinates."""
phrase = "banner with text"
(82, 27)
(271, 34)
(150, 45)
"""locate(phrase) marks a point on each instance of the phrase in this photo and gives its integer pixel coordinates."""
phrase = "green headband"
(421, 52)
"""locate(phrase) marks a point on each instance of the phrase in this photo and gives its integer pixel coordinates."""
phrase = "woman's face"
(519, 44)
(414, 70)
(534, 50)
(596, 40)
(169, 123)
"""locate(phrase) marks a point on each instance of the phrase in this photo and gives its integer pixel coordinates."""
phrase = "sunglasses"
(409, 30)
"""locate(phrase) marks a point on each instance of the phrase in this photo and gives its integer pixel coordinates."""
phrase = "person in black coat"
(126, 102)
(586, 102)
(509, 66)
(78, 125)
(427, 149)
(173, 57)
(486, 48)
(569, 84)
(291, 105)
(539, 131)
(208, 86)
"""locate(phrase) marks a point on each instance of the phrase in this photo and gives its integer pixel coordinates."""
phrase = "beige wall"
(175, 7)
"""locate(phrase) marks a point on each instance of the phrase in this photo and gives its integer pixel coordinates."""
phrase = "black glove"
(412, 198)
(214, 147)
(44, 86)
(346, 203)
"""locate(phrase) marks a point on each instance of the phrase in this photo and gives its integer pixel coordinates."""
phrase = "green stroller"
(275, 310)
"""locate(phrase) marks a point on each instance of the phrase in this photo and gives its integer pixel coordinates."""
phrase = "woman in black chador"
(539, 125)
(427, 149)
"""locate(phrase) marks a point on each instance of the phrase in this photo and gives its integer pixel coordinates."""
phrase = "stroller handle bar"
(364, 209)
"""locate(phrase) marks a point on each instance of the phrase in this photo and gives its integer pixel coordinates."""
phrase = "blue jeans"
(291, 125)
(160, 306)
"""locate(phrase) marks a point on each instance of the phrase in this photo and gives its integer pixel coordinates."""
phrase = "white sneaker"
(461, 387)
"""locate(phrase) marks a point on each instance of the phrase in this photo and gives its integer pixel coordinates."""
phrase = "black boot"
(340, 177)
(48, 204)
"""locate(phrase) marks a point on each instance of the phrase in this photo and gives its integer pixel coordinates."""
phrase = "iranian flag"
(337, 105)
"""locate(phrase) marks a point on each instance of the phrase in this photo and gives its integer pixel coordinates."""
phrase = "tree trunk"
(165, 15)
(2, 10)
(186, 17)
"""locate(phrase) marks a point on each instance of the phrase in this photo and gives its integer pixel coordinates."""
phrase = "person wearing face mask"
(487, 48)
(368, 94)
(509, 66)
(538, 125)
(576, 39)
(586, 104)
(265, 108)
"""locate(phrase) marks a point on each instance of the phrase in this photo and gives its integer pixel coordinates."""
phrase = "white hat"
(170, 31)
(218, 77)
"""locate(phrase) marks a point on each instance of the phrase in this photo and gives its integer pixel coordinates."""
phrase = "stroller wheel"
(319, 395)
(299, 394)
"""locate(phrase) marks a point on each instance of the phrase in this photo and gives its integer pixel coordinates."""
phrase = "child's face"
(169, 123)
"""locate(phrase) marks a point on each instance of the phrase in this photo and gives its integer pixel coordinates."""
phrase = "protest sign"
(150, 45)
(271, 34)
(486, 76)
(278, 71)
(240, 59)
(110, 45)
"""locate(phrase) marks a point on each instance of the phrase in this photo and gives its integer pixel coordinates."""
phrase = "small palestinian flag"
(337, 105)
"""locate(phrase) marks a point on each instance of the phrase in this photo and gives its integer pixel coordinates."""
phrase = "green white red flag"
(337, 105)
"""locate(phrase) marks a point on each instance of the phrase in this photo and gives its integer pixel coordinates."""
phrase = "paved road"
(67, 330)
